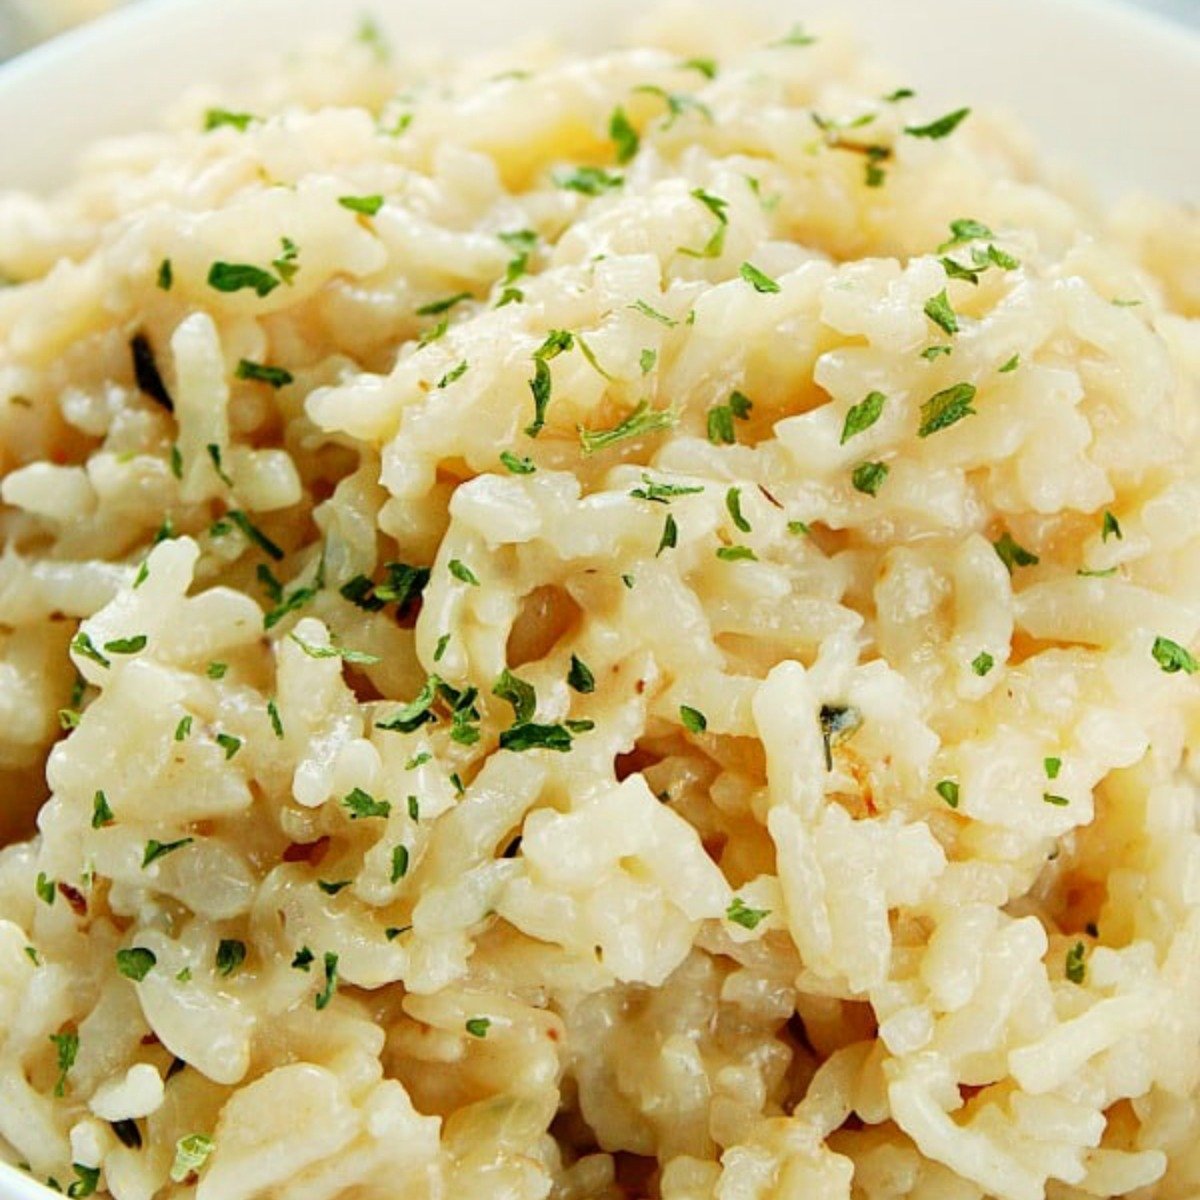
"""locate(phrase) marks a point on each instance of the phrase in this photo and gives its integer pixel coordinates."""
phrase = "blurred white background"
(25, 22)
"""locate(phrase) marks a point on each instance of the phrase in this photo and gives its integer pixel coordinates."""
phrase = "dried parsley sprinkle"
(183, 728)
(557, 342)
(580, 678)
(155, 849)
(1012, 554)
(868, 477)
(670, 536)
(366, 206)
(354, 657)
(276, 722)
(230, 744)
(736, 554)
(942, 127)
(863, 415)
(44, 886)
(231, 954)
(218, 118)
(948, 790)
(1011, 365)
(516, 465)
(733, 504)
(940, 312)
(1075, 967)
(642, 421)
(757, 280)
(742, 914)
(166, 275)
(693, 720)
(236, 277)
(102, 813)
(1052, 767)
(1111, 528)
(453, 375)
(982, 663)
(136, 963)
(463, 573)
(275, 377)
(661, 493)
(721, 417)
(519, 693)
(624, 136)
(1173, 658)
(67, 1046)
(478, 1027)
(588, 181)
(399, 863)
(946, 408)
(360, 804)
(537, 737)
(303, 959)
(1056, 801)
(82, 644)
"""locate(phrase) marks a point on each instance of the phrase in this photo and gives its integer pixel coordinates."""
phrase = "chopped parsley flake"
(942, 127)
(275, 377)
(414, 808)
(136, 963)
(1075, 966)
(868, 477)
(276, 722)
(643, 420)
(332, 887)
(399, 863)
(670, 536)
(733, 504)
(982, 663)
(216, 670)
(453, 375)
(939, 311)
(166, 275)
(965, 230)
(360, 804)
(440, 649)
(191, 1153)
(516, 465)
(437, 307)
(236, 277)
(218, 118)
(303, 959)
(946, 408)
(230, 955)
(715, 245)
(797, 37)
(355, 657)
(932, 352)
(176, 461)
(722, 416)
(1012, 554)
(557, 342)
(647, 360)
(736, 554)
(536, 737)
(520, 694)
(948, 790)
(230, 744)
(624, 136)
(863, 415)
(1057, 801)
(45, 888)
(588, 181)
(67, 1046)
(1173, 658)
(705, 66)
(214, 454)
(678, 103)
(799, 528)
(102, 813)
(155, 849)
(740, 913)
(1052, 767)
(693, 720)
(478, 1027)
(1111, 528)
(87, 1180)
(183, 728)
(463, 573)
(367, 206)
(580, 678)
(648, 310)
(661, 493)
(85, 648)
(1011, 365)
(757, 280)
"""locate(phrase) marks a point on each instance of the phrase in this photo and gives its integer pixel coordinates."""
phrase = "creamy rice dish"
(597, 627)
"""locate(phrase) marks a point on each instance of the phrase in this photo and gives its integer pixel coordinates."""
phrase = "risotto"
(576, 628)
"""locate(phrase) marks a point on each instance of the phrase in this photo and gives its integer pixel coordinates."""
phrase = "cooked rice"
(833, 831)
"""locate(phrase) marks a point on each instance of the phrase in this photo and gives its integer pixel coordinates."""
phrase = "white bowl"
(1105, 88)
